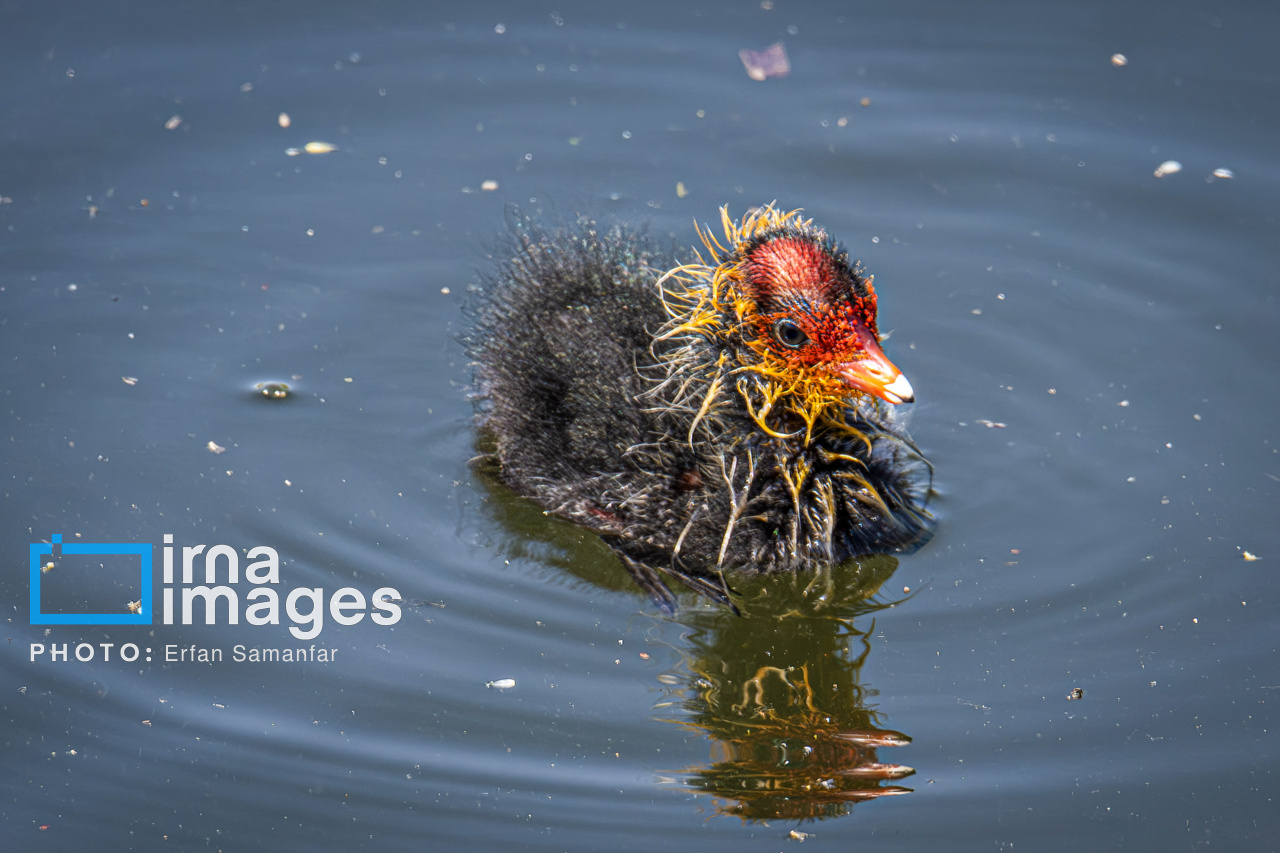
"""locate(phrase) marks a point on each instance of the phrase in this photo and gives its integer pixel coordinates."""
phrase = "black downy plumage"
(733, 415)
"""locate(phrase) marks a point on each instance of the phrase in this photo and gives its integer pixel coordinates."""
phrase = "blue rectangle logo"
(41, 550)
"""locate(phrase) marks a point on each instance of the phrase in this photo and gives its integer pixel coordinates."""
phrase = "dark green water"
(1093, 350)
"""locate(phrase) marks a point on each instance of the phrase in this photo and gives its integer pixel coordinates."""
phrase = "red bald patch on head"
(791, 266)
(809, 306)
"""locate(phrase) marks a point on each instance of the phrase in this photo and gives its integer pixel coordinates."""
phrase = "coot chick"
(730, 415)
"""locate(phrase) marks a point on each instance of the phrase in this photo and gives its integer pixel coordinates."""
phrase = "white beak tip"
(899, 391)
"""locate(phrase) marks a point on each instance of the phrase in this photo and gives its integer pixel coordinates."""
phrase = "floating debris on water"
(173, 123)
(215, 448)
(1168, 167)
(501, 683)
(1249, 557)
(129, 380)
(763, 64)
(1076, 693)
(272, 390)
(324, 148)
(283, 120)
(488, 186)
(1119, 59)
(1225, 174)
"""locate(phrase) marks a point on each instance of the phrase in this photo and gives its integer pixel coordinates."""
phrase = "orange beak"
(874, 374)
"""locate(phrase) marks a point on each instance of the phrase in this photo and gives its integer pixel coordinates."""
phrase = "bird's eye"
(789, 334)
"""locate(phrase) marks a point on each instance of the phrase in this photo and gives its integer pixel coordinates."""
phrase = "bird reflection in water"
(778, 691)
(776, 686)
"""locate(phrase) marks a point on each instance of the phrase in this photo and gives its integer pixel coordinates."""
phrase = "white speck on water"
(1168, 167)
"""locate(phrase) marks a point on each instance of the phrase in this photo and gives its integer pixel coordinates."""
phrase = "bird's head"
(786, 300)
(812, 315)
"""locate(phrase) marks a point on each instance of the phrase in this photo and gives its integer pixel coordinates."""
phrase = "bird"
(731, 415)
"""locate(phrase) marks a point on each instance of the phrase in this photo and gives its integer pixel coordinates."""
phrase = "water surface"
(1092, 347)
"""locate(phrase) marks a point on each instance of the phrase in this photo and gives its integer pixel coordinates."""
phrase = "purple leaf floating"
(763, 64)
